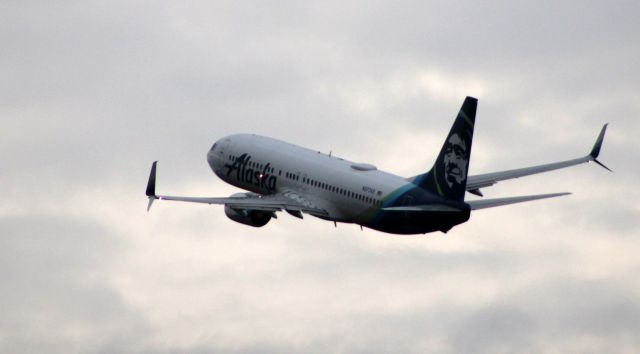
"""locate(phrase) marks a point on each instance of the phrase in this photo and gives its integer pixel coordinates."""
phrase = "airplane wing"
(474, 183)
(287, 200)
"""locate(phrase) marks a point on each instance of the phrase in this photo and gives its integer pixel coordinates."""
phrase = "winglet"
(596, 148)
(151, 185)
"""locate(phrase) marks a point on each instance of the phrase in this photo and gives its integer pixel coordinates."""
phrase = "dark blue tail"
(448, 176)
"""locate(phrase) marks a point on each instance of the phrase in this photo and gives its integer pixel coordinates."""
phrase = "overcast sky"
(92, 92)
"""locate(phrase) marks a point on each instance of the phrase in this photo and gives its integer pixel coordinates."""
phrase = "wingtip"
(151, 184)
(602, 165)
(151, 199)
(595, 151)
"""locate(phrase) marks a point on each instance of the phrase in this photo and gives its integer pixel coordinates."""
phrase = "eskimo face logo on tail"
(456, 161)
(247, 174)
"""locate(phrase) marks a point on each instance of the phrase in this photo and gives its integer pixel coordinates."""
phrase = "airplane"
(280, 176)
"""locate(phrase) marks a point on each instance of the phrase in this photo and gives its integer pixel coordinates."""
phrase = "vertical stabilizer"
(448, 176)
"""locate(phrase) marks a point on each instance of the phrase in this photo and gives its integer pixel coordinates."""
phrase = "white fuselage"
(284, 177)
(350, 192)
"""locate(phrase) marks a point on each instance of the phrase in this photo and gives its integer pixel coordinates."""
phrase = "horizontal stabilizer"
(490, 203)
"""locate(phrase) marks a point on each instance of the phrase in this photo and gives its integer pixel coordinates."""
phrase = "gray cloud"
(57, 291)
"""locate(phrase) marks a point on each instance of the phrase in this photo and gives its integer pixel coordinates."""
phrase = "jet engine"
(255, 218)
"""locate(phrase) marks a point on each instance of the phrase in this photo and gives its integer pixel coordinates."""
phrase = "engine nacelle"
(255, 218)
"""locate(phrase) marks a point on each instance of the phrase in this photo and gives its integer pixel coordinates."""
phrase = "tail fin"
(448, 176)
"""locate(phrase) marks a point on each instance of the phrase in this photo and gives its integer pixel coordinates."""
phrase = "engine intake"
(255, 218)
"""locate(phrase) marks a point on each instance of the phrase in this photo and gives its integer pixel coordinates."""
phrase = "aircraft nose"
(213, 155)
(217, 154)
